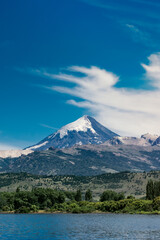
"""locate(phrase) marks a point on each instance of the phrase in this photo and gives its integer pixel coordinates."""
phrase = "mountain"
(84, 148)
(145, 140)
(157, 142)
(85, 160)
(85, 130)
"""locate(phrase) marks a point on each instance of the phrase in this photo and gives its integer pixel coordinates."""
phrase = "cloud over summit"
(126, 111)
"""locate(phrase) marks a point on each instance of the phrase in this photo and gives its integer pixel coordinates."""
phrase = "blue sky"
(112, 42)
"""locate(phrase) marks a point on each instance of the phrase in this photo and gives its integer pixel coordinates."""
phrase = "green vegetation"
(49, 200)
(25, 201)
(152, 189)
(79, 194)
(129, 183)
(111, 195)
(88, 195)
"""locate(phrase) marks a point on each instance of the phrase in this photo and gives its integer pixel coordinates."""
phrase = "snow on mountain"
(157, 142)
(150, 138)
(85, 130)
(35, 147)
(14, 153)
(145, 140)
(83, 124)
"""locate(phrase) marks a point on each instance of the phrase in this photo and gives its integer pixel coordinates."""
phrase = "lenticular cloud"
(126, 111)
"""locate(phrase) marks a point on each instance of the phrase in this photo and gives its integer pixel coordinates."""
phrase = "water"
(79, 226)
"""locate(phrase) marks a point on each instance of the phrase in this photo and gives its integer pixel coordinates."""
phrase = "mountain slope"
(145, 140)
(85, 130)
(85, 160)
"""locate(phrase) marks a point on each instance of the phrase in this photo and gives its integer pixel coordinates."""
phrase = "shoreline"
(41, 212)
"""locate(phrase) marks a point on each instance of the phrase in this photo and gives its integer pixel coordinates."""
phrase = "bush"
(23, 209)
(87, 209)
(6, 208)
(130, 197)
(138, 206)
(34, 208)
(59, 207)
(156, 203)
(72, 206)
(76, 210)
(109, 206)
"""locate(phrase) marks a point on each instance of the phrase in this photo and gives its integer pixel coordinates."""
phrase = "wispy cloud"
(47, 126)
(126, 111)
(144, 2)
(139, 35)
(140, 17)
(98, 3)
(127, 7)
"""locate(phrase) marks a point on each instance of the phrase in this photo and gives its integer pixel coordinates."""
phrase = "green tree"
(3, 201)
(156, 189)
(111, 195)
(61, 197)
(150, 190)
(70, 195)
(18, 189)
(78, 196)
(88, 195)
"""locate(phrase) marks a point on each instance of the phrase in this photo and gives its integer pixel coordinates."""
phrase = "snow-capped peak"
(83, 124)
(85, 130)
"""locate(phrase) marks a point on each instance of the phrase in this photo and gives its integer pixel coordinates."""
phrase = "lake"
(79, 226)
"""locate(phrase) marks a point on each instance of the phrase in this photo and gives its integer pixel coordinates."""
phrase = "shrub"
(23, 209)
(156, 203)
(138, 205)
(76, 209)
(6, 208)
(34, 208)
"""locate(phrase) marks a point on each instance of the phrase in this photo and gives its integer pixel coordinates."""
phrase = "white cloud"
(153, 69)
(128, 112)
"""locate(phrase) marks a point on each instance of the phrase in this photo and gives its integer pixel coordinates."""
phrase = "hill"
(129, 183)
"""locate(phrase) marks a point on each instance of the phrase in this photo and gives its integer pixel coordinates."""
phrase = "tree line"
(53, 200)
(46, 198)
